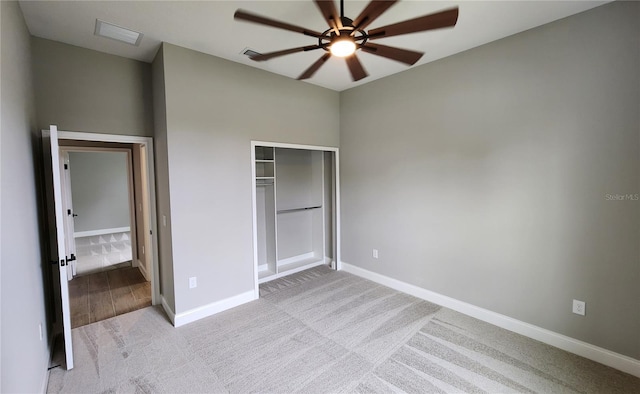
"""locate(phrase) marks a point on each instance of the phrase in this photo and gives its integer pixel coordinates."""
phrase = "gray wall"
(79, 89)
(99, 190)
(214, 108)
(24, 357)
(163, 199)
(484, 176)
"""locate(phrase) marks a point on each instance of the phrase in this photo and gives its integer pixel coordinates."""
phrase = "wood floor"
(107, 294)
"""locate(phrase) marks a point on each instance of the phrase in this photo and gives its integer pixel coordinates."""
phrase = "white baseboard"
(192, 315)
(47, 373)
(45, 382)
(168, 311)
(291, 271)
(143, 271)
(93, 233)
(295, 259)
(584, 349)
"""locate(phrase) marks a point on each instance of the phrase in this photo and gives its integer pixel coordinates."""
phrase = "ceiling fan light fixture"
(345, 35)
(343, 47)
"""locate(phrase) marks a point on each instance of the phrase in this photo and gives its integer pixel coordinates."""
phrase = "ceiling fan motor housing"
(343, 38)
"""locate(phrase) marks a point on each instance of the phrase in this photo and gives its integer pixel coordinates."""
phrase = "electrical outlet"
(193, 282)
(579, 307)
(375, 253)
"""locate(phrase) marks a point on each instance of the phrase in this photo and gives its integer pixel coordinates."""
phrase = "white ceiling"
(209, 27)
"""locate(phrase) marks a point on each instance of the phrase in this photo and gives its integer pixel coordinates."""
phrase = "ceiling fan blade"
(330, 13)
(371, 12)
(355, 67)
(428, 22)
(402, 55)
(249, 17)
(266, 56)
(308, 73)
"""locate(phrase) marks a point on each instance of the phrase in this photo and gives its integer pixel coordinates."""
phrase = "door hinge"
(68, 212)
(66, 166)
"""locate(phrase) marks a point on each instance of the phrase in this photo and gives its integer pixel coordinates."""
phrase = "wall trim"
(45, 382)
(143, 271)
(167, 309)
(201, 312)
(45, 378)
(572, 345)
(295, 259)
(93, 233)
(50, 346)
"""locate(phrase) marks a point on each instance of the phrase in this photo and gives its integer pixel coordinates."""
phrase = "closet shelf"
(265, 177)
(299, 209)
(265, 161)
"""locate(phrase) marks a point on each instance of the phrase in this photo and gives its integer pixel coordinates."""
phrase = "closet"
(294, 215)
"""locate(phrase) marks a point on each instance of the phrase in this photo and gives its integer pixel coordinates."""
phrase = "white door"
(69, 214)
(57, 223)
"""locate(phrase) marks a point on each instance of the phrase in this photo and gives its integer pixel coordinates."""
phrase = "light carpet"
(322, 331)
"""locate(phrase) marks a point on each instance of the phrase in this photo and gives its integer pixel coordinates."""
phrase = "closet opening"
(295, 209)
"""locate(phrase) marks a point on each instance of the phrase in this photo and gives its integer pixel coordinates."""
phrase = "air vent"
(109, 30)
(250, 52)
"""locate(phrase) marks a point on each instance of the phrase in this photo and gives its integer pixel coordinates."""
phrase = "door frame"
(150, 186)
(337, 260)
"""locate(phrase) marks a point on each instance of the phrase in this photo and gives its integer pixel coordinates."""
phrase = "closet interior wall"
(294, 197)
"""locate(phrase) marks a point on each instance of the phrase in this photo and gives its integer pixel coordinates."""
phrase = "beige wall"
(24, 357)
(484, 176)
(79, 89)
(214, 108)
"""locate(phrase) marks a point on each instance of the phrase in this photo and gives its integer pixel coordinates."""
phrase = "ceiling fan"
(345, 36)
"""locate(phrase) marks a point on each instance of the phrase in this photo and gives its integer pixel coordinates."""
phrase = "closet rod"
(299, 209)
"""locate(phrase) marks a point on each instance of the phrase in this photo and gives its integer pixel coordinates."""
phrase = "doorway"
(60, 217)
(99, 194)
